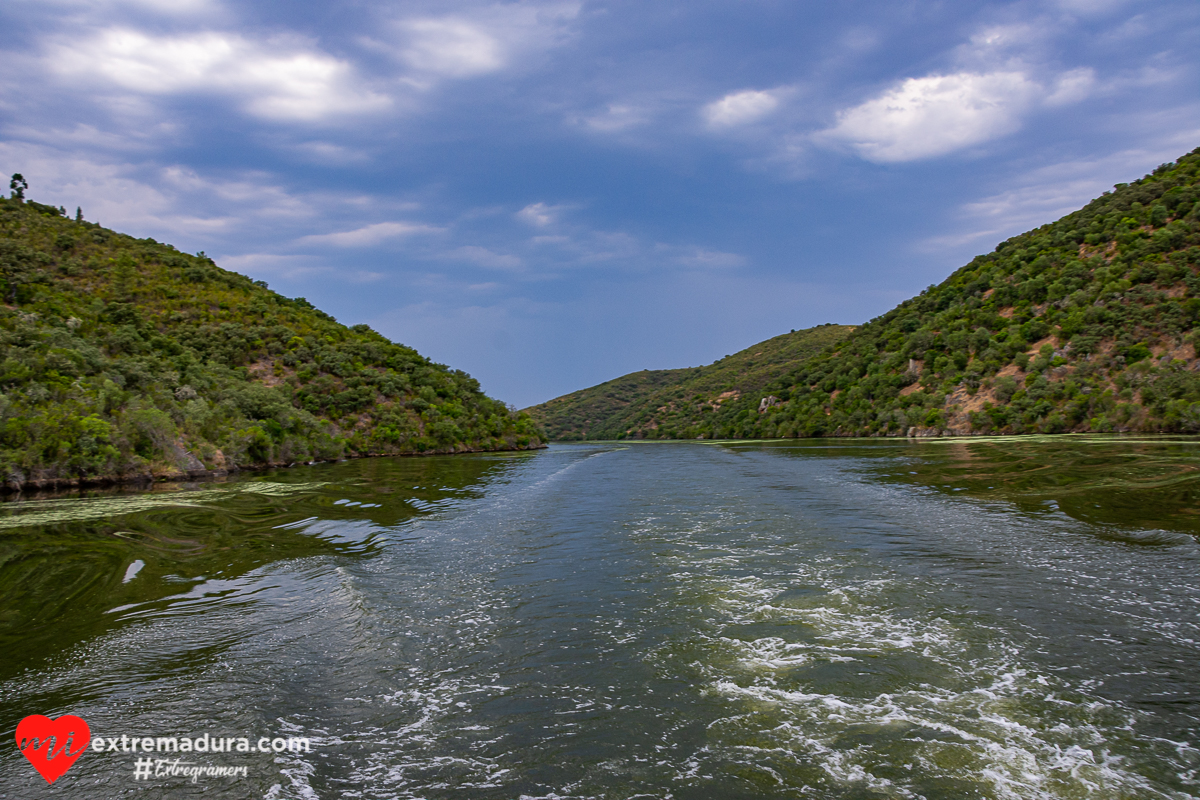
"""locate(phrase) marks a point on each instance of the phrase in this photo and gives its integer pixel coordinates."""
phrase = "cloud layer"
(549, 193)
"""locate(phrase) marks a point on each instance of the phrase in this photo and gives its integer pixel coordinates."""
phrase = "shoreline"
(148, 479)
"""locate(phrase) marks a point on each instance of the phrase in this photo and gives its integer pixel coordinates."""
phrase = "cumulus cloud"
(931, 116)
(369, 235)
(740, 108)
(274, 80)
(1001, 79)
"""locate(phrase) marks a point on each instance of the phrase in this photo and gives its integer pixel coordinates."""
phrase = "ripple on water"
(867, 685)
(594, 627)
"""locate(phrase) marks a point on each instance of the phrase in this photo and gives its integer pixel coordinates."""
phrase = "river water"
(999, 618)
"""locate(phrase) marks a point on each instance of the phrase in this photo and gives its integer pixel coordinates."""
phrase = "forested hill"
(1085, 324)
(123, 358)
(687, 402)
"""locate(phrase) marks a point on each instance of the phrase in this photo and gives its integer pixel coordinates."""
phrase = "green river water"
(983, 618)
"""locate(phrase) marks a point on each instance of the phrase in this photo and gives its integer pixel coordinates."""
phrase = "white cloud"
(451, 47)
(88, 136)
(277, 80)
(174, 6)
(1049, 192)
(254, 190)
(1002, 76)
(484, 40)
(293, 269)
(538, 214)
(369, 235)
(1057, 189)
(997, 40)
(931, 116)
(616, 117)
(127, 197)
(481, 256)
(1071, 87)
(168, 7)
(740, 108)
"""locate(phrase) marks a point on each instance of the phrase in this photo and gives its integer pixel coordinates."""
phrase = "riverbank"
(17, 483)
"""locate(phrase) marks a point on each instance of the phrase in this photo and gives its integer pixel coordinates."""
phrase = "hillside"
(122, 358)
(1088, 323)
(676, 403)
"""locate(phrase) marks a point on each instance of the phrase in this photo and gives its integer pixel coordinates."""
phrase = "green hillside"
(679, 403)
(1084, 324)
(122, 358)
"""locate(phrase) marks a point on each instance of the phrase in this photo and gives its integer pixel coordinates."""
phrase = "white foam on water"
(877, 671)
(1003, 718)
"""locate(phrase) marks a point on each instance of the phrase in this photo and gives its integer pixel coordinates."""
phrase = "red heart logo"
(47, 743)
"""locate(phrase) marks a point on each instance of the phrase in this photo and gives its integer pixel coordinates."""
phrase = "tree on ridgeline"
(18, 185)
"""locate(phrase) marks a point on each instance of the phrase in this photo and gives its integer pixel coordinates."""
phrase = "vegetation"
(679, 403)
(1085, 324)
(122, 358)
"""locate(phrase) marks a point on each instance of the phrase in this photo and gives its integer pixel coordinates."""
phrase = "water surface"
(999, 618)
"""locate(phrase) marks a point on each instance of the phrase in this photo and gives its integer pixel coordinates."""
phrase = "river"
(984, 618)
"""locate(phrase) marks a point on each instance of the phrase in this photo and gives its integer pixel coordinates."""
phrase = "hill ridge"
(649, 401)
(1087, 323)
(125, 359)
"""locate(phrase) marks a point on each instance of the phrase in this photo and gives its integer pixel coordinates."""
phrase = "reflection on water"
(984, 618)
(73, 566)
(1123, 482)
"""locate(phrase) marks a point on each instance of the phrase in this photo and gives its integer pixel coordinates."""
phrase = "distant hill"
(1088, 323)
(123, 358)
(679, 403)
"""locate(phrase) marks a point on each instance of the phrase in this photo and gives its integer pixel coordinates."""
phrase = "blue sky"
(551, 194)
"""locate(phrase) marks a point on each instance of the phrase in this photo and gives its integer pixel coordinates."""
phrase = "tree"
(78, 214)
(18, 185)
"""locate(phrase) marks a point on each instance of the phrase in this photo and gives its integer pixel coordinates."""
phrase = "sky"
(548, 195)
